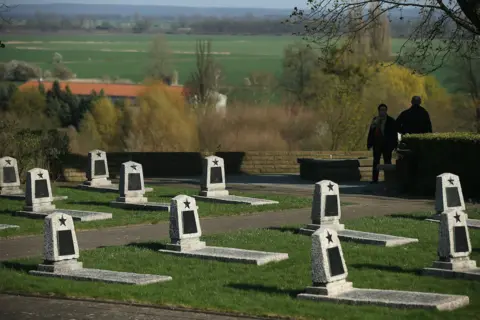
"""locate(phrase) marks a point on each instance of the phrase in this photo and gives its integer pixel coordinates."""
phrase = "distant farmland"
(125, 56)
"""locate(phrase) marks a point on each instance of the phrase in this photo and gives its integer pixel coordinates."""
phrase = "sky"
(280, 4)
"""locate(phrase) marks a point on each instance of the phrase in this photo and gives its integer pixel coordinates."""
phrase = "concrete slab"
(104, 276)
(77, 215)
(110, 188)
(231, 199)
(22, 197)
(470, 274)
(377, 239)
(232, 255)
(152, 206)
(392, 298)
(471, 223)
(8, 226)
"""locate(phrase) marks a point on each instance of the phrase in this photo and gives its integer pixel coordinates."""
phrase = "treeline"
(191, 25)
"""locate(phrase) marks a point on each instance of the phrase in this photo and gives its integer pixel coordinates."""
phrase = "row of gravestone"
(329, 270)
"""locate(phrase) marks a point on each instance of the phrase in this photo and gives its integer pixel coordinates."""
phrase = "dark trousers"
(377, 154)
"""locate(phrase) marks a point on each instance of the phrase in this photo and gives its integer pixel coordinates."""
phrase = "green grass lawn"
(269, 289)
(97, 201)
(96, 55)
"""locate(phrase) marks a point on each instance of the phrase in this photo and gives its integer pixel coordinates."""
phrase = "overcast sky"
(288, 4)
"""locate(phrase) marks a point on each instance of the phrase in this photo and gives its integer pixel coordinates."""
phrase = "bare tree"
(160, 64)
(4, 8)
(455, 23)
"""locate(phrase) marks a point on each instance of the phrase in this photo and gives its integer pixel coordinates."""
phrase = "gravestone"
(185, 233)
(97, 170)
(132, 190)
(326, 210)
(448, 193)
(9, 178)
(213, 185)
(61, 254)
(329, 282)
(38, 195)
(454, 248)
(213, 182)
(449, 196)
(326, 213)
(38, 199)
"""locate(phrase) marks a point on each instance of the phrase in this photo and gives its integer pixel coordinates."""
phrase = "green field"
(125, 56)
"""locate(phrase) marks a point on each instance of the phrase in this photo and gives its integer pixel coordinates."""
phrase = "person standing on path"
(415, 119)
(382, 137)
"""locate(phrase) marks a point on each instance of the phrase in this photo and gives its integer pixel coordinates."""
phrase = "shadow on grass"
(380, 267)
(18, 266)
(284, 229)
(265, 289)
(93, 190)
(476, 250)
(154, 246)
(8, 212)
(410, 216)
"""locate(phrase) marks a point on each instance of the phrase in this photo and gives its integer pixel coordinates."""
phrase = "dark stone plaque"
(331, 205)
(99, 168)
(335, 262)
(65, 243)
(460, 239)
(189, 223)
(9, 175)
(41, 189)
(453, 197)
(216, 175)
(134, 182)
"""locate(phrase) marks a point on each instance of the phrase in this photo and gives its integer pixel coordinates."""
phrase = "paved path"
(89, 239)
(33, 308)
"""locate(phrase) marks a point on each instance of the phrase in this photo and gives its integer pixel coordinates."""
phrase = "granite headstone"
(38, 195)
(97, 170)
(213, 177)
(9, 177)
(448, 193)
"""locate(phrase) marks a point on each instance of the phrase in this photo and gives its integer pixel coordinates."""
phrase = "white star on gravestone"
(134, 167)
(62, 221)
(330, 186)
(40, 175)
(187, 204)
(451, 180)
(9, 162)
(457, 217)
(99, 154)
(329, 237)
(215, 162)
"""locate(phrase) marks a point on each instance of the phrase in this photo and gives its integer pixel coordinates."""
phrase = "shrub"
(436, 153)
(20, 71)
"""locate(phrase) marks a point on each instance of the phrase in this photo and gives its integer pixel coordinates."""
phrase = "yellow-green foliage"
(30, 106)
(162, 122)
(100, 126)
(395, 86)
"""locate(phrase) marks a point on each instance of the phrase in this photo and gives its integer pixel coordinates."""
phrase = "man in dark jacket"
(382, 137)
(415, 119)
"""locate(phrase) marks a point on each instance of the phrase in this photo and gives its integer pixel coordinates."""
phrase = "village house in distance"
(115, 91)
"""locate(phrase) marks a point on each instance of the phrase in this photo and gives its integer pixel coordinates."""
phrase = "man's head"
(416, 101)
(382, 110)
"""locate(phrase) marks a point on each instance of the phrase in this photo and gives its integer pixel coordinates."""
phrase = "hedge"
(436, 153)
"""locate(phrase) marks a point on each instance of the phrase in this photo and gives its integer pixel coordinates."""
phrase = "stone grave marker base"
(391, 298)
(103, 276)
(471, 223)
(362, 237)
(309, 229)
(8, 226)
(104, 188)
(231, 199)
(232, 255)
(462, 268)
(77, 215)
(151, 206)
